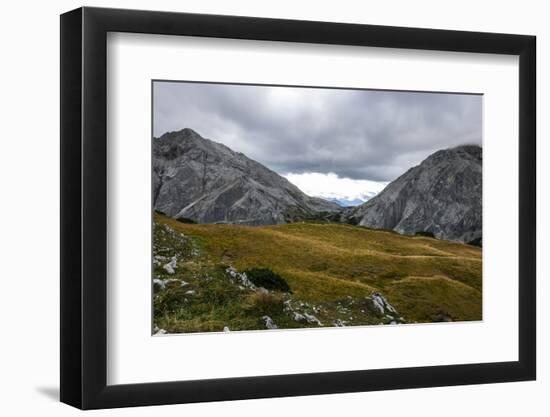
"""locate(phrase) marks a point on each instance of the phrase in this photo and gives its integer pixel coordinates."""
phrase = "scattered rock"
(239, 278)
(302, 315)
(269, 323)
(312, 319)
(442, 317)
(380, 303)
(170, 267)
(160, 284)
(298, 317)
(158, 259)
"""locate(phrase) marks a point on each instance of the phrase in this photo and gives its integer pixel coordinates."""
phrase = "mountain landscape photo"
(312, 208)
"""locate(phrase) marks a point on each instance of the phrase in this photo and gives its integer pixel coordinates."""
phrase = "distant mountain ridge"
(441, 196)
(204, 181)
(345, 202)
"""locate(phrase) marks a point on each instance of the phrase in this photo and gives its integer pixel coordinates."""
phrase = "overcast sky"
(359, 135)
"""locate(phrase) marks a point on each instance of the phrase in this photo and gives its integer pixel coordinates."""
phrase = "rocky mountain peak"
(441, 196)
(204, 181)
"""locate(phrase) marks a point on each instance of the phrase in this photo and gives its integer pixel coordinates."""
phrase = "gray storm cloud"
(359, 134)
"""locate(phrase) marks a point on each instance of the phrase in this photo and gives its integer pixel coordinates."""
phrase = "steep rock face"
(205, 181)
(442, 195)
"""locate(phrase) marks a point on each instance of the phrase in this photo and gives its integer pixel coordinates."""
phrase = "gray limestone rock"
(441, 196)
(200, 180)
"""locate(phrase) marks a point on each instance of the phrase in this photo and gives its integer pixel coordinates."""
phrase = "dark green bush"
(265, 277)
(424, 233)
(186, 220)
(354, 221)
(475, 242)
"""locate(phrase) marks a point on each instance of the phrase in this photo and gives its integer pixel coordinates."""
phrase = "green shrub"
(424, 233)
(186, 220)
(353, 221)
(265, 277)
(475, 242)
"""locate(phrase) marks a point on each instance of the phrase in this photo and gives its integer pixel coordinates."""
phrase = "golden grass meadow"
(312, 274)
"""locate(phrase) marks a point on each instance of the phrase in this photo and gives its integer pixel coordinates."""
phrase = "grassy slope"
(425, 279)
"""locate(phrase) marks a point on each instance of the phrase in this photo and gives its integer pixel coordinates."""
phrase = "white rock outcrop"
(170, 267)
(269, 324)
(239, 278)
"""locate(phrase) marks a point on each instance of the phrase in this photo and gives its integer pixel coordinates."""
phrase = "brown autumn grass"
(424, 278)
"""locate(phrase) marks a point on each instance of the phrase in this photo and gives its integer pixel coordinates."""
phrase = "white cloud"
(331, 187)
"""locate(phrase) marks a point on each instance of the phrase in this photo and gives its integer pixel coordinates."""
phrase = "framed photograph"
(256, 208)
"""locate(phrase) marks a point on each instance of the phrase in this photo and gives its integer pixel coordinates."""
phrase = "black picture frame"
(84, 207)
